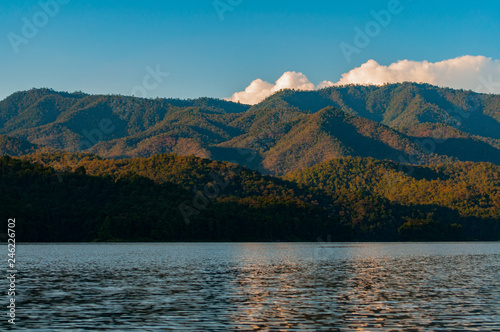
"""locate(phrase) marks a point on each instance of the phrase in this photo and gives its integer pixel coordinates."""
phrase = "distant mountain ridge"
(399, 105)
(288, 131)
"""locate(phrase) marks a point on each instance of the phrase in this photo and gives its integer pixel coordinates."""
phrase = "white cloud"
(325, 84)
(258, 90)
(477, 73)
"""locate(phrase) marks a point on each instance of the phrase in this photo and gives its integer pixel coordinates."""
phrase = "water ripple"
(253, 287)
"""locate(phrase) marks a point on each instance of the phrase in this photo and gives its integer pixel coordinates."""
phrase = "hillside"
(456, 191)
(291, 130)
(164, 198)
(15, 147)
(400, 105)
(350, 199)
(77, 121)
(330, 133)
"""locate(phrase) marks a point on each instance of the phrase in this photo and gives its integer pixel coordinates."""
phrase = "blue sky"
(105, 46)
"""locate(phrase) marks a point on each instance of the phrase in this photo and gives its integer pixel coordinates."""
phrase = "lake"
(258, 286)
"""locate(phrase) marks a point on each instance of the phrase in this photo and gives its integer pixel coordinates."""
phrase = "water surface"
(275, 287)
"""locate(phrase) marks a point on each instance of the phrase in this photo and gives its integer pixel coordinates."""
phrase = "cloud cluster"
(466, 72)
(477, 73)
(259, 90)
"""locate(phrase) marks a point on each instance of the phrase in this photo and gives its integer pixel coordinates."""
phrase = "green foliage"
(88, 198)
(288, 131)
(60, 120)
(465, 193)
(15, 147)
(70, 197)
(323, 142)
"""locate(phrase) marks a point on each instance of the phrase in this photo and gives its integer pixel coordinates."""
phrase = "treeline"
(451, 201)
(72, 205)
(80, 197)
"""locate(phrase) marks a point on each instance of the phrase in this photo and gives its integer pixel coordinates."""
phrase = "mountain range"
(408, 162)
(407, 123)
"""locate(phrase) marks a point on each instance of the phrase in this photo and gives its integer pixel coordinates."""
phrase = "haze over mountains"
(291, 130)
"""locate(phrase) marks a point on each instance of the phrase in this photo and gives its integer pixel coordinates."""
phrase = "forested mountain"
(310, 139)
(78, 121)
(400, 105)
(465, 191)
(291, 130)
(473, 189)
(111, 168)
(81, 197)
(163, 198)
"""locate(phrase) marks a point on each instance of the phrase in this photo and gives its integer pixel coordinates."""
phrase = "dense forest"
(465, 194)
(290, 130)
(82, 197)
(192, 199)
(353, 163)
